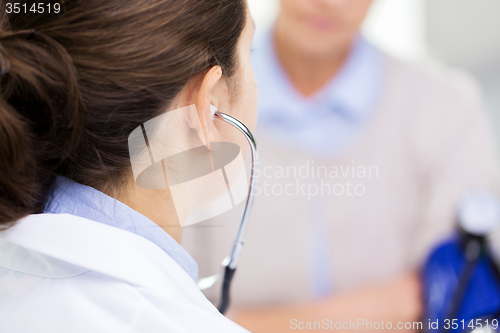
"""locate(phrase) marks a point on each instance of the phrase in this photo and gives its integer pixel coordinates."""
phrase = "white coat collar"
(94, 246)
(70, 197)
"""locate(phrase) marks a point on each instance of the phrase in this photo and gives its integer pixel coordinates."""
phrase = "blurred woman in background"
(400, 143)
(85, 249)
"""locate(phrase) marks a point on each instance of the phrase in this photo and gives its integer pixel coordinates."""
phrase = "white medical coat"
(61, 273)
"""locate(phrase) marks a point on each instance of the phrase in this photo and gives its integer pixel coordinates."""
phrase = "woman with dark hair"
(83, 247)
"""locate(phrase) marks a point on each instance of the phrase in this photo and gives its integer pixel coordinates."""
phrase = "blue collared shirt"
(73, 198)
(324, 125)
(327, 123)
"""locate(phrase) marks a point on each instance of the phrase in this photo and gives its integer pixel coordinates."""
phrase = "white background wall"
(466, 34)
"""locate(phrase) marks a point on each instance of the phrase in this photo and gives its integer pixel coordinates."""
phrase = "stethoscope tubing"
(229, 264)
(238, 244)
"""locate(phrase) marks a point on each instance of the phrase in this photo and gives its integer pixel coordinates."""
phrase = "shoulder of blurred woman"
(439, 109)
(429, 81)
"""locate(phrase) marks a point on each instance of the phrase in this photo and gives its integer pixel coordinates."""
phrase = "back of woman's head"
(74, 85)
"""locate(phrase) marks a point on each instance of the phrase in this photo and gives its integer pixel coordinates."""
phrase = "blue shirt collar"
(357, 86)
(73, 198)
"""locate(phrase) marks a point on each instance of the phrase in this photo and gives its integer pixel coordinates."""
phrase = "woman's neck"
(308, 73)
(157, 205)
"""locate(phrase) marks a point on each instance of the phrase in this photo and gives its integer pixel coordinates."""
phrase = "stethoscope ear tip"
(213, 109)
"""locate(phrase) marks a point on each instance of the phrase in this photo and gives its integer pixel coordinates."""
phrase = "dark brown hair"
(78, 85)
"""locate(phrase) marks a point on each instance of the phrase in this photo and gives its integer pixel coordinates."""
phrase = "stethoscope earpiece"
(213, 109)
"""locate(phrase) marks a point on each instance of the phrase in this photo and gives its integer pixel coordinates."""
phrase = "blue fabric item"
(440, 276)
(328, 122)
(73, 198)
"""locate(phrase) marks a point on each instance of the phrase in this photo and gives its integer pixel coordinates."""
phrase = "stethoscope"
(228, 266)
(478, 216)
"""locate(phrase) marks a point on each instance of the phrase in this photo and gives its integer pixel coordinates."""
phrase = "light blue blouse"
(324, 125)
(73, 198)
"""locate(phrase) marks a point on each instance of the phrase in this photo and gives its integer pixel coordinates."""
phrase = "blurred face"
(320, 27)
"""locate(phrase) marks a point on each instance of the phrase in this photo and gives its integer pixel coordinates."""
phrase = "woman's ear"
(205, 101)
